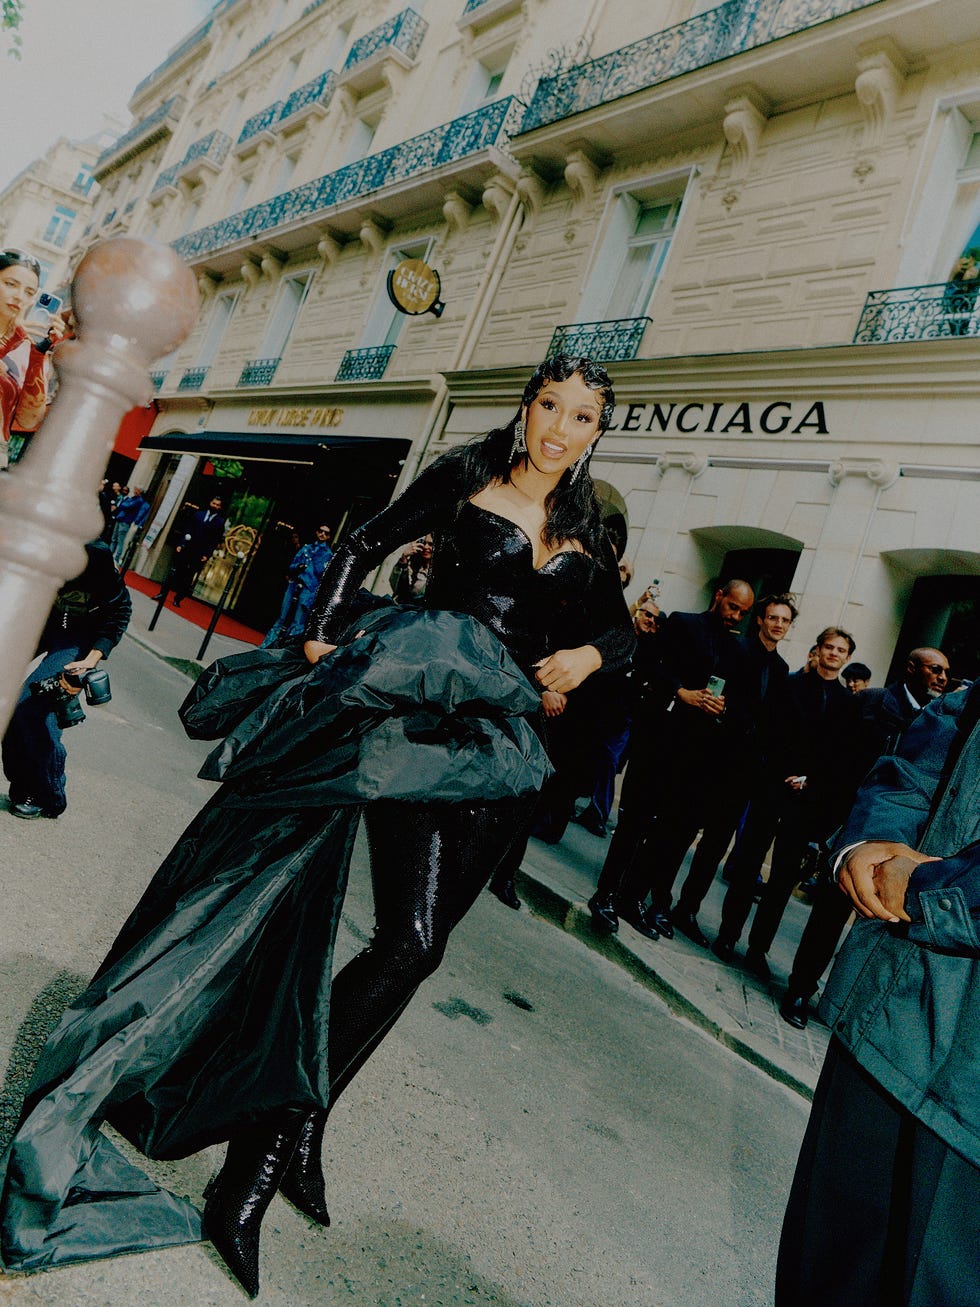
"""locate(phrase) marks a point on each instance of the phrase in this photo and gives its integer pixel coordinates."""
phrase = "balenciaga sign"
(724, 418)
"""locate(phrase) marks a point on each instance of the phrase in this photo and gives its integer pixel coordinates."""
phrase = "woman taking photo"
(215, 1016)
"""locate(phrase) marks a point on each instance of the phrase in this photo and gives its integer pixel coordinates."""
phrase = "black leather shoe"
(29, 811)
(641, 921)
(603, 911)
(660, 921)
(687, 924)
(755, 962)
(795, 1010)
(176, 602)
(724, 950)
(155, 599)
(593, 823)
(505, 891)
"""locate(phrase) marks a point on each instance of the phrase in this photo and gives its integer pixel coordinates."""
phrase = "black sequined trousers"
(429, 863)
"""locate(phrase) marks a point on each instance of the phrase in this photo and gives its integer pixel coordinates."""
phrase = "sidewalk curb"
(553, 905)
(546, 901)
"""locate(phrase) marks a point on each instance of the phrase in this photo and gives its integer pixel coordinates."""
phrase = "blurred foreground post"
(133, 301)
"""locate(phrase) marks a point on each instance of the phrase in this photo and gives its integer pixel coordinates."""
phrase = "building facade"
(760, 214)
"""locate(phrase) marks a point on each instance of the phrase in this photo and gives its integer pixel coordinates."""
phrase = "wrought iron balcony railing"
(365, 364)
(211, 149)
(404, 32)
(172, 58)
(948, 308)
(258, 372)
(260, 122)
(193, 378)
(606, 342)
(146, 130)
(166, 178)
(473, 132)
(259, 44)
(108, 217)
(317, 92)
(158, 377)
(705, 39)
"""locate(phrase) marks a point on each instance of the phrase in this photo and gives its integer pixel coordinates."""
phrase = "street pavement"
(556, 882)
(539, 1130)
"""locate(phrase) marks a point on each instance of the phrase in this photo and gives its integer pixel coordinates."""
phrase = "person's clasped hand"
(566, 668)
(876, 875)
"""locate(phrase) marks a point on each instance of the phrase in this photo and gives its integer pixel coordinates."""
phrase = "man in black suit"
(197, 542)
(885, 716)
(681, 754)
(767, 676)
(811, 778)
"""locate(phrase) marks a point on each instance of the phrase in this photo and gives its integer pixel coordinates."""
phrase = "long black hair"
(572, 510)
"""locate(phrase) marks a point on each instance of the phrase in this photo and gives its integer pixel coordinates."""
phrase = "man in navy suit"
(886, 715)
(195, 545)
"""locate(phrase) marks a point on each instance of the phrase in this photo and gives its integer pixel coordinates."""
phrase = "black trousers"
(882, 1213)
(830, 913)
(773, 815)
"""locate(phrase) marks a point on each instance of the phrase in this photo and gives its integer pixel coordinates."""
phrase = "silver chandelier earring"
(580, 463)
(519, 446)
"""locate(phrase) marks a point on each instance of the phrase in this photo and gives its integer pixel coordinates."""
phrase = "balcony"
(259, 127)
(193, 378)
(365, 364)
(172, 58)
(293, 210)
(948, 308)
(481, 13)
(399, 39)
(158, 377)
(612, 341)
(206, 154)
(166, 182)
(258, 372)
(706, 39)
(156, 126)
(312, 98)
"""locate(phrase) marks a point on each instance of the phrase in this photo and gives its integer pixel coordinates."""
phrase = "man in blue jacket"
(304, 573)
(885, 1206)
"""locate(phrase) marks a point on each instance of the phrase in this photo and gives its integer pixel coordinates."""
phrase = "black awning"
(276, 447)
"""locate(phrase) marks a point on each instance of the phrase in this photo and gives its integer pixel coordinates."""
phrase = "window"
(242, 188)
(190, 217)
(224, 307)
(484, 86)
(337, 48)
(288, 78)
(59, 225)
(235, 116)
(45, 273)
(360, 140)
(291, 297)
(83, 180)
(639, 227)
(284, 173)
(385, 321)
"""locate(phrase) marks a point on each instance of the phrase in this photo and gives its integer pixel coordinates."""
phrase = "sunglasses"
(9, 257)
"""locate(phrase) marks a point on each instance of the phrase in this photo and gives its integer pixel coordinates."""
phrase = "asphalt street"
(537, 1131)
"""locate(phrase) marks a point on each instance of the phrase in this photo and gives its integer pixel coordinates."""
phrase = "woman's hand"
(566, 668)
(552, 703)
(315, 650)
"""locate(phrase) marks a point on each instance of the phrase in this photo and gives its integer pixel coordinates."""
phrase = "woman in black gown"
(214, 1015)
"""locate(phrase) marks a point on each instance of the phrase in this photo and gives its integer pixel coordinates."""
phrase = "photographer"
(411, 571)
(87, 621)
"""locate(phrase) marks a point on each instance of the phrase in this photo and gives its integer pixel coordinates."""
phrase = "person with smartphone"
(411, 572)
(24, 371)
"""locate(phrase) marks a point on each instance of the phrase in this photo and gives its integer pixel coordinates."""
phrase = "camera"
(64, 691)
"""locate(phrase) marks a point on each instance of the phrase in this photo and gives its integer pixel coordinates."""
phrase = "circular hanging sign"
(413, 287)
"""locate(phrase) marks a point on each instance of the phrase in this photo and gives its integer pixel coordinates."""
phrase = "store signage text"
(295, 417)
(716, 418)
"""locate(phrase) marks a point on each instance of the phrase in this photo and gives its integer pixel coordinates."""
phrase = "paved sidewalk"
(555, 881)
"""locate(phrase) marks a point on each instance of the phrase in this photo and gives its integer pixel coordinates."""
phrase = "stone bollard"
(133, 301)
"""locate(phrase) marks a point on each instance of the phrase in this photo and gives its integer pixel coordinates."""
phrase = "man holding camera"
(87, 621)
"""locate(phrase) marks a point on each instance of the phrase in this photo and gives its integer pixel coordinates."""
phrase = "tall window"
(648, 229)
(484, 85)
(59, 225)
(360, 140)
(292, 295)
(284, 173)
(288, 77)
(224, 307)
(385, 321)
(83, 180)
(240, 195)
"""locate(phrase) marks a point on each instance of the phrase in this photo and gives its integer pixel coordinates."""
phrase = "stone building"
(756, 213)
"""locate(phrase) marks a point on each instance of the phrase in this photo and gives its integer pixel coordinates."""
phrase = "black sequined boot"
(302, 1185)
(238, 1197)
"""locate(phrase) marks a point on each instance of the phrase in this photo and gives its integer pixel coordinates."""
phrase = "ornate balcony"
(948, 308)
(209, 152)
(456, 140)
(259, 45)
(260, 125)
(709, 37)
(154, 127)
(258, 372)
(193, 378)
(166, 180)
(480, 13)
(158, 377)
(399, 37)
(606, 342)
(365, 364)
(312, 97)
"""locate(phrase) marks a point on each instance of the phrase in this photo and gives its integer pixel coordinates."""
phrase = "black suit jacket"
(203, 535)
(693, 647)
(885, 716)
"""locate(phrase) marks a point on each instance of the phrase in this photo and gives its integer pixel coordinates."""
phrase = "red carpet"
(194, 611)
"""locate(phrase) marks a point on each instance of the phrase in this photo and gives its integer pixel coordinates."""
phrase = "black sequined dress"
(216, 1005)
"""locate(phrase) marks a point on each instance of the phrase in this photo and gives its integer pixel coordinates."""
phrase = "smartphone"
(716, 685)
(46, 303)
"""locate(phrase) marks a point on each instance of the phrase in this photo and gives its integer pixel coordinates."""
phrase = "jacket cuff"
(946, 922)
